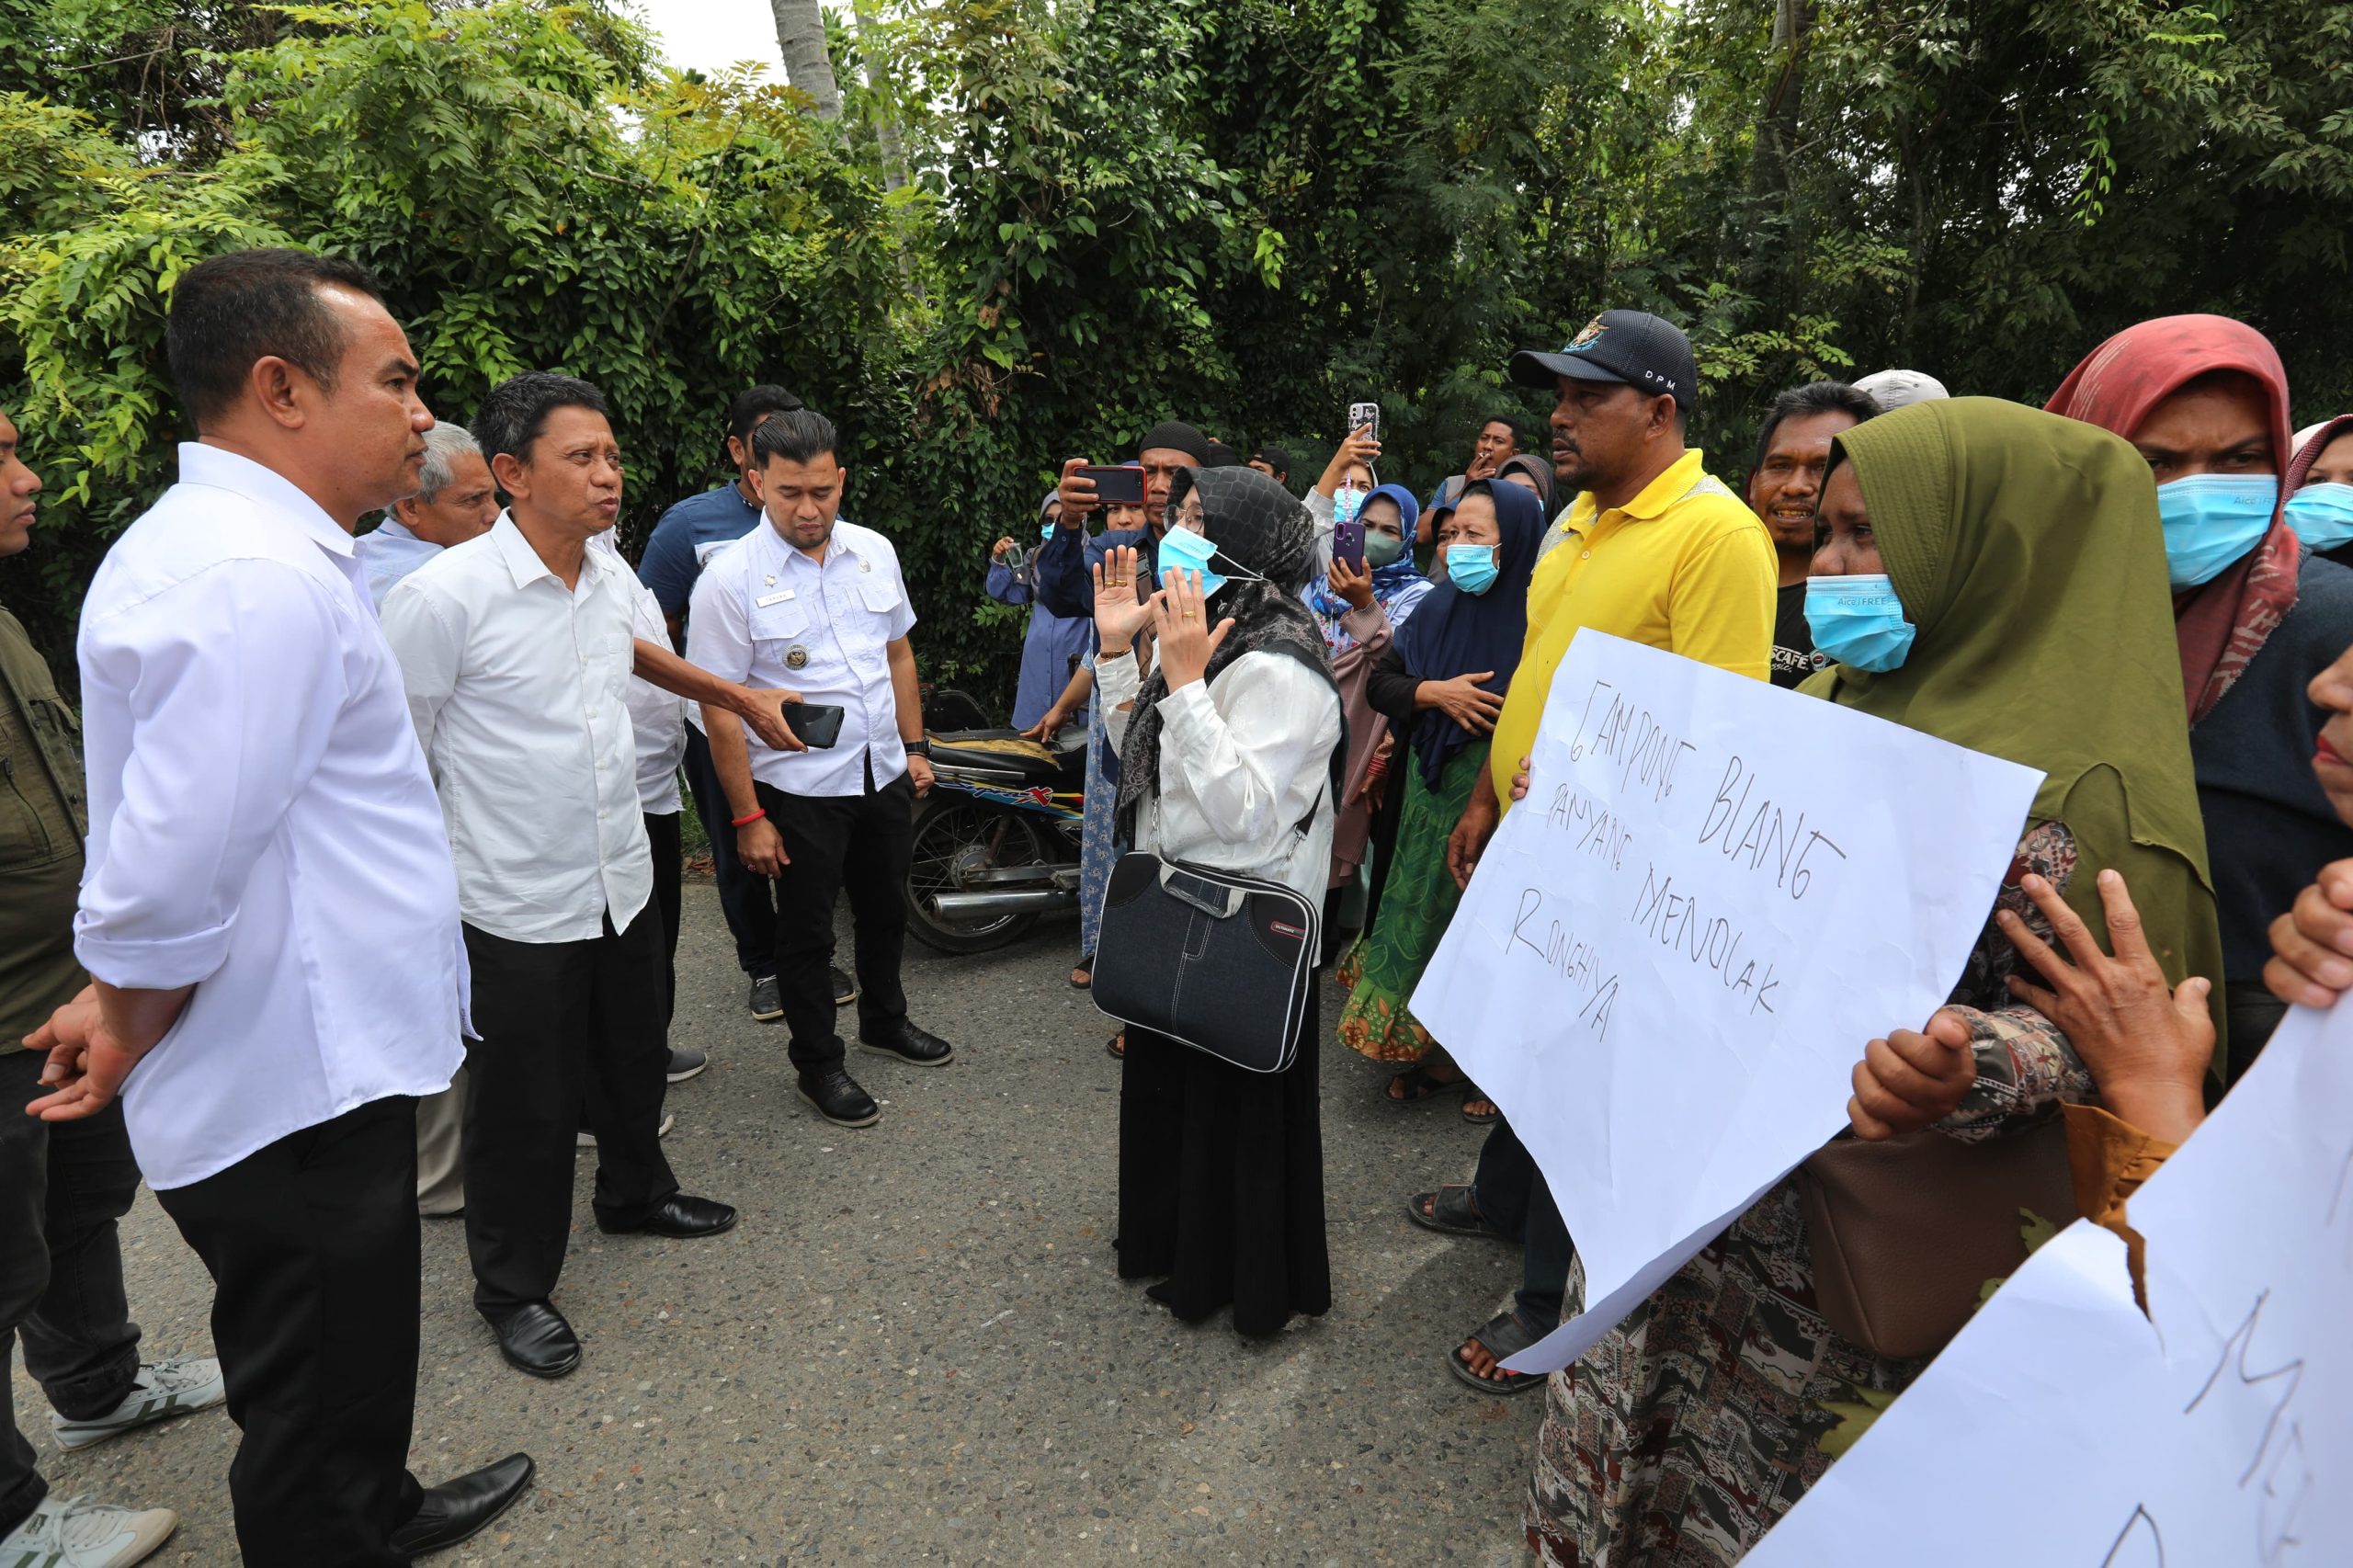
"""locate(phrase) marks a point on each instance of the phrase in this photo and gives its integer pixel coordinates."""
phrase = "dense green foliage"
(1245, 212)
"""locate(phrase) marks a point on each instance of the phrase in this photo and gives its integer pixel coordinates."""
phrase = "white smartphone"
(1361, 415)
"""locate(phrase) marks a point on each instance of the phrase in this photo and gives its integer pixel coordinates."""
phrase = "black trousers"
(312, 1243)
(1510, 1192)
(63, 1187)
(856, 844)
(746, 900)
(669, 900)
(563, 1025)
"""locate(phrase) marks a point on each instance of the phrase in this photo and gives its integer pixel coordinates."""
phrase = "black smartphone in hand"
(818, 724)
(1115, 486)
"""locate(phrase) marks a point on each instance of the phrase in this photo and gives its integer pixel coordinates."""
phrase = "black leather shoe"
(535, 1338)
(678, 1215)
(458, 1507)
(839, 1098)
(917, 1048)
(845, 988)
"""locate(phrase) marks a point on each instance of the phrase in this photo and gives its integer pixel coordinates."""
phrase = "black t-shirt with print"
(1793, 654)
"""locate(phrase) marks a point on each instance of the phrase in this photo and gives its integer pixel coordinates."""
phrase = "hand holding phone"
(1115, 486)
(818, 724)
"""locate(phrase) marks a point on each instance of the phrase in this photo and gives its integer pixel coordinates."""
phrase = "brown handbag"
(1906, 1232)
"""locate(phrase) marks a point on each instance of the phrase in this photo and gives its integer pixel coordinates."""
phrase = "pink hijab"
(2224, 623)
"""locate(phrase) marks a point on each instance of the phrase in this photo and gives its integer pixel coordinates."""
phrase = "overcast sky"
(714, 34)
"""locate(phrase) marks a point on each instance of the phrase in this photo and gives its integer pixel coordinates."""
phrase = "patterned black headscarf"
(1258, 524)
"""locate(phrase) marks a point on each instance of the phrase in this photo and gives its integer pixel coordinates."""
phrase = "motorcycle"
(997, 841)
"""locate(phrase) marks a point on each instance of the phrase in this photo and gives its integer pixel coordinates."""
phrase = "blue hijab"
(1399, 577)
(1455, 633)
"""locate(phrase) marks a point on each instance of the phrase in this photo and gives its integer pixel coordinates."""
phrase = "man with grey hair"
(454, 501)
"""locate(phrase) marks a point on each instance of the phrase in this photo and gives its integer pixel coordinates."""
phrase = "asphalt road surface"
(915, 1347)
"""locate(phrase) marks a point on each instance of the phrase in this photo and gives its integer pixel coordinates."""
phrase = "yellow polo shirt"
(1685, 566)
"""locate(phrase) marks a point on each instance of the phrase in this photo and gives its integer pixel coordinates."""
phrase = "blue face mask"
(2322, 514)
(1859, 620)
(1347, 502)
(1182, 549)
(1046, 529)
(1471, 566)
(2211, 520)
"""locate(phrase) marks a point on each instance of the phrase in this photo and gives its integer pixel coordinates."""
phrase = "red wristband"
(746, 821)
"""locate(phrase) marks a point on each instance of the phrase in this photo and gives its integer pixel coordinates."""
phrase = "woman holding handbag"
(1993, 576)
(1225, 765)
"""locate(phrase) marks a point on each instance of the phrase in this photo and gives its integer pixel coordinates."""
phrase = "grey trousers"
(440, 1151)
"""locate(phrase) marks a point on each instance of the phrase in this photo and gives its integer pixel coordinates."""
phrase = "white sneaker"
(74, 1534)
(586, 1141)
(172, 1386)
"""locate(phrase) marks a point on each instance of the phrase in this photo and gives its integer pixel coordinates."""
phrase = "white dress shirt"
(388, 552)
(261, 826)
(1242, 759)
(766, 615)
(519, 690)
(658, 718)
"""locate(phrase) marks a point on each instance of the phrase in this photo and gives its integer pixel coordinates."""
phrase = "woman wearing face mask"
(2256, 615)
(1225, 757)
(1358, 613)
(1054, 646)
(2320, 488)
(1442, 682)
(1347, 481)
(2017, 607)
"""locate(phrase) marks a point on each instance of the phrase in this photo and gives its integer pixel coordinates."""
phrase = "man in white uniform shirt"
(269, 914)
(516, 648)
(817, 606)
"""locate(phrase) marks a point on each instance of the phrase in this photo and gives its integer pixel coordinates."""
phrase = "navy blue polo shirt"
(689, 534)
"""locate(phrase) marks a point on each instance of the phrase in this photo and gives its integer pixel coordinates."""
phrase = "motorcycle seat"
(1007, 757)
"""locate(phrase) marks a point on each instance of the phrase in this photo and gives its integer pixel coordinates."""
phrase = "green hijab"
(2026, 549)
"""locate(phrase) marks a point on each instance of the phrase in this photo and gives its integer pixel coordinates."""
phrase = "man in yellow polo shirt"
(1655, 550)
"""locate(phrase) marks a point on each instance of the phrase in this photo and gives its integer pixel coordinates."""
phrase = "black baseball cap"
(1629, 347)
(1274, 458)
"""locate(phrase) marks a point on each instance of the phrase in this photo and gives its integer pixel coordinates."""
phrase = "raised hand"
(1120, 609)
(1354, 585)
(2147, 1045)
(1077, 494)
(1187, 640)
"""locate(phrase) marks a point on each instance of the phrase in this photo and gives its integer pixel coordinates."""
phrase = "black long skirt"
(1221, 1182)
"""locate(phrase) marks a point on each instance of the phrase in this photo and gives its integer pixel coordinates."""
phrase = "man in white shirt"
(269, 914)
(455, 501)
(517, 650)
(814, 604)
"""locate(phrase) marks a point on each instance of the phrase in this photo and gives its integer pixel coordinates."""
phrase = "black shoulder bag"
(1217, 960)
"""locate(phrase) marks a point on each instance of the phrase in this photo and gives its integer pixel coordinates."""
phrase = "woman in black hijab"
(1226, 762)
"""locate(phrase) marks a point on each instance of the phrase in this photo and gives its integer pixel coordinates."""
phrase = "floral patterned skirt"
(1382, 970)
(1697, 1422)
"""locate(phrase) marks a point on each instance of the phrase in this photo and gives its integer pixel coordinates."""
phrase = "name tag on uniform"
(772, 599)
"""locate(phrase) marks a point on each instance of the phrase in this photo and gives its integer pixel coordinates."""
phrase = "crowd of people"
(351, 895)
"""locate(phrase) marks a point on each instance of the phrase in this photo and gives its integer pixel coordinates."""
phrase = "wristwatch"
(918, 747)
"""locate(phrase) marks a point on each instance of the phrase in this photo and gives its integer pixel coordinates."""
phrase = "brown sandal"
(1116, 1046)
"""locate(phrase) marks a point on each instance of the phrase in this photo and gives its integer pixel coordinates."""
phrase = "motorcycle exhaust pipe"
(982, 905)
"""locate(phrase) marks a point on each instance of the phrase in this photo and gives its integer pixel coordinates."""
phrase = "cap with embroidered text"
(1629, 347)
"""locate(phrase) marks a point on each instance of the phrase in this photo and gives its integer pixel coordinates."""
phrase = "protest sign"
(1676, 947)
(2202, 1433)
